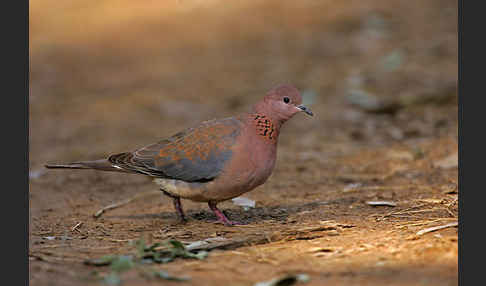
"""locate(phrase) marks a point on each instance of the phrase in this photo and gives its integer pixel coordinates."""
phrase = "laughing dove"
(214, 161)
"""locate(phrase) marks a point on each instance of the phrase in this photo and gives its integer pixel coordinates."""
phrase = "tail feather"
(103, 165)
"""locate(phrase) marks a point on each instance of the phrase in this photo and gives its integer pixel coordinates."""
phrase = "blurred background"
(110, 76)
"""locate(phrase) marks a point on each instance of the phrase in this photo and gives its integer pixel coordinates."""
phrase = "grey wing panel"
(194, 155)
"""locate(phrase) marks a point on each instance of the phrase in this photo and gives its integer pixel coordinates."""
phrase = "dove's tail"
(103, 165)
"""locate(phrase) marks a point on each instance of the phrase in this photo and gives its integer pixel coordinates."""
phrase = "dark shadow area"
(252, 215)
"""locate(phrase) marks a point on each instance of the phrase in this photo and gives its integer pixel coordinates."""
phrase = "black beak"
(306, 110)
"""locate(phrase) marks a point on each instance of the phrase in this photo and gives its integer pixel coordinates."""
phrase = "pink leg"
(177, 206)
(180, 211)
(221, 217)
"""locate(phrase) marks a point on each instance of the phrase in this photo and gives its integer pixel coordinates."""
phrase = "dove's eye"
(286, 99)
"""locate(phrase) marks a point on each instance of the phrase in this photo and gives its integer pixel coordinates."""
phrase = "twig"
(114, 240)
(398, 212)
(52, 246)
(423, 222)
(409, 211)
(450, 213)
(382, 203)
(76, 226)
(124, 202)
(382, 188)
(434, 228)
(227, 244)
(422, 211)
(53, 258)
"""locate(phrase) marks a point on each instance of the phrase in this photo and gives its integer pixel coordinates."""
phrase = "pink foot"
(221, 217)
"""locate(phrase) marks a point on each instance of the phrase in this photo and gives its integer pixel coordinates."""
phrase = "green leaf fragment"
(201, 255)
(102, 261)
(112, 279)
(140, 246)
(164, 275)
(163, 259)
(177, 245)
(123, 263)
(153, 246)
(178, 249)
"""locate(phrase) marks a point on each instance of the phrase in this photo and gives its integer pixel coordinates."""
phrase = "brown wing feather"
(195, 154)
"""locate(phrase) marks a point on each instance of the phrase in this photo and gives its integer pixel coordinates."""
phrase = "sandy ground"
(108, 78)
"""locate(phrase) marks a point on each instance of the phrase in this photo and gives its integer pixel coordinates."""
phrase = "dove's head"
(282, 102)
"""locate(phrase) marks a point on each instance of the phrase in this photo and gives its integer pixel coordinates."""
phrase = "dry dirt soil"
(380, 76)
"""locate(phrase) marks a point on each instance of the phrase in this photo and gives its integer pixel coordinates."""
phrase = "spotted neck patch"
(265, 127)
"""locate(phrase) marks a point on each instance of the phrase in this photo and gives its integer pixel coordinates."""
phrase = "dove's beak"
(306, 110)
